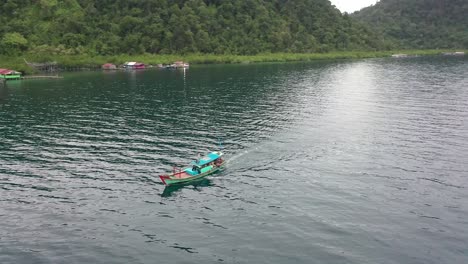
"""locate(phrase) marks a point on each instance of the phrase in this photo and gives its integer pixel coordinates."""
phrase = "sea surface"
(360, 161)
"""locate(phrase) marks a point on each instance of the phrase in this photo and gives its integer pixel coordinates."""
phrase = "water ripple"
(342, 162)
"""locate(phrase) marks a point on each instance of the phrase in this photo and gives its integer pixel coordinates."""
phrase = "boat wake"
(233, 158)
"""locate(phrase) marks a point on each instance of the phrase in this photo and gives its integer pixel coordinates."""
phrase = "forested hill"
(420, 23)
(109, 27)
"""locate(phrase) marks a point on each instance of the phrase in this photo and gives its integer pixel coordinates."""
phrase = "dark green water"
(330, 162)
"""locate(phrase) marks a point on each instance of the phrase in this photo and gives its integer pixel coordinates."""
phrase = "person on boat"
(196, 168)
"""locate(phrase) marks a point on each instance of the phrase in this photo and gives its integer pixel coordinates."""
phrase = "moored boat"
(400, 56)
(181, 65)
(199, 169)
(175, 65)
(456, 53)
(133, 65)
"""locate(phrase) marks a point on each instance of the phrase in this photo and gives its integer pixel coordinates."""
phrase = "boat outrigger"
(199, 169)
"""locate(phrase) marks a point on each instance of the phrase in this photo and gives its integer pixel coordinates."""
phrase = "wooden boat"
(181, 65)
(133, 65)
(199, 169)
(175, 65)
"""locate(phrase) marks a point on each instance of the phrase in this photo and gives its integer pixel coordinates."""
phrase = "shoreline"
(94, 62)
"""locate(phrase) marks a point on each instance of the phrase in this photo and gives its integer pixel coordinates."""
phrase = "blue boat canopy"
(207, 159)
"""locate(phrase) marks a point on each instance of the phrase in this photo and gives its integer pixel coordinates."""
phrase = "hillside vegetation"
(420, 24)
(238, 27)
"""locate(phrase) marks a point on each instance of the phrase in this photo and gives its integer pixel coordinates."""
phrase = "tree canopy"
(420, 24)
(108, 27)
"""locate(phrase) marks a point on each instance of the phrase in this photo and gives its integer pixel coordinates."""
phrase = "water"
(328, 162)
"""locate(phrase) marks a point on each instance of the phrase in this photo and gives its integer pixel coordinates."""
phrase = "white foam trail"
(239, 155)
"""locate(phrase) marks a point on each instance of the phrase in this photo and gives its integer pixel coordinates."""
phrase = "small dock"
(41, 77)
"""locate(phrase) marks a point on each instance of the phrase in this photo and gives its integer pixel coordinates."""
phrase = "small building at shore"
(8, 74)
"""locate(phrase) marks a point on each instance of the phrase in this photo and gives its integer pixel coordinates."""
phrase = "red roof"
(6, 71)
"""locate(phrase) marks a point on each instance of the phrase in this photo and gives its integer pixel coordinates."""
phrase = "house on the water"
(9, 74)
(134, 65)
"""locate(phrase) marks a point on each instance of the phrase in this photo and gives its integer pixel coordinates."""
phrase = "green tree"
(181, 26)
(13, 43)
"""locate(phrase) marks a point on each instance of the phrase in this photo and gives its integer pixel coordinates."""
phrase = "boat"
(175, 65)
(9, 74)
(456, 53)
(198, 169)
(181, 65)
(133, 65)
(166, 66)
(400, 56)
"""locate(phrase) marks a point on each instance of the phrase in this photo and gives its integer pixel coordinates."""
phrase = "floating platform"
(41, 77)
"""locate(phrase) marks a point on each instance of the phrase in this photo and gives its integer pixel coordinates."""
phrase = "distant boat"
(109, 66)
(199, 169)
(181, 64)
(134, 65)
(166, 66)
(9, 74)
(175, 65)
(456, 53)
(400, 56)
